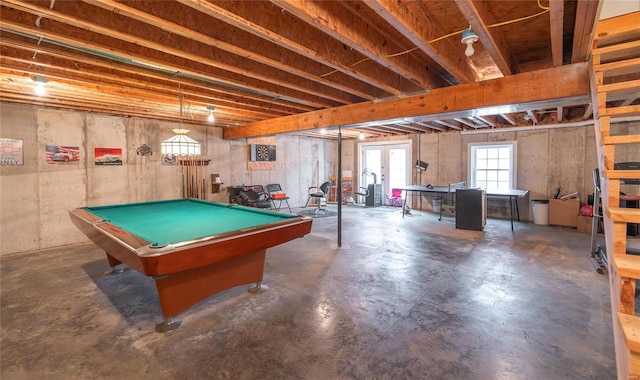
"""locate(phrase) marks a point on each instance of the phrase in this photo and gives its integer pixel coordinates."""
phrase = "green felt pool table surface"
(178, 220)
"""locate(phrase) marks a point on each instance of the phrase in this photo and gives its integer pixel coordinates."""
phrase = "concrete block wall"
(35, 197)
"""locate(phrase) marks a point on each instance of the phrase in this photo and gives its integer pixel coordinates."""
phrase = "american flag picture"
(62, 155)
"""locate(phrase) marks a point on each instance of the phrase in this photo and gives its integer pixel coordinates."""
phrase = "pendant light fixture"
(468, 38)
(180, 144)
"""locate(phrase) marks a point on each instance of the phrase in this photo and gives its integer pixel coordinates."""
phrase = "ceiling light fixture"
(180, 144)
(469, 37)
(361, 136)
(40, 88)
(211, 118)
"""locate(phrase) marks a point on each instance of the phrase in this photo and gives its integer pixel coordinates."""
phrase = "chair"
(319, 195)
(395, 199)
(276, 194)
(363, 192)
(252, 198)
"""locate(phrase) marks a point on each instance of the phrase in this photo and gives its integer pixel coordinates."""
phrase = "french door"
(385, 163)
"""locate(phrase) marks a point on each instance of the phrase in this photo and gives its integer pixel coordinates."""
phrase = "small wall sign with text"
(11, 152)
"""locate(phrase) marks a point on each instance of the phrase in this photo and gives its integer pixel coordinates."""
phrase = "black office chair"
(319, 195)
(276, 194)
(253, 199)
(362, 192)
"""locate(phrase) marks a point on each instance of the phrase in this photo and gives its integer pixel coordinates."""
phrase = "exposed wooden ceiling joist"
(261, 60)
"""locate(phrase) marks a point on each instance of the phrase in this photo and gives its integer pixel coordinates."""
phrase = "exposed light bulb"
(211, 118)
(40, 90)
(469, 50)
(361, 136)
(468, 38)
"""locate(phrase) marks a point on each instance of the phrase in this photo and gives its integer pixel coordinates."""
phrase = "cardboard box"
(564, 213)
(584, 224)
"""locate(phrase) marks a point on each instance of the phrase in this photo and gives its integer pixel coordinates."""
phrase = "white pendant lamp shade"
(180, 144)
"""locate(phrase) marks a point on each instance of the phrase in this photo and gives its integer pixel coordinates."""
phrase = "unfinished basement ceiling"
(260, 61)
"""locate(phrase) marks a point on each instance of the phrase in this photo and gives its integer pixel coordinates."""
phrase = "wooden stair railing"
(615, 88)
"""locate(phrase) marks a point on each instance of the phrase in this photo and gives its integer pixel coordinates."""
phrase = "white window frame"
(513, 170)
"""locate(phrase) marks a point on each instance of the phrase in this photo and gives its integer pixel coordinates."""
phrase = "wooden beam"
(465, 122)
(449, 125)
(588, 111)
(559, 114)
(489, 120)
(306, 42)
(190, 34)
(479, 18)
(618, 29)
(357, 34)
(154, 52)
(554, 84)
(509, 118)
(404, 18)
(556, 20)
(586, 12)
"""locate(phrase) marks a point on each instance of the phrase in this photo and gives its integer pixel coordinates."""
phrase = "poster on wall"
(63, 155)
(11, 152)
(108, 156)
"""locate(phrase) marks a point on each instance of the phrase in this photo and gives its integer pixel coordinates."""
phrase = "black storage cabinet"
(471, 209)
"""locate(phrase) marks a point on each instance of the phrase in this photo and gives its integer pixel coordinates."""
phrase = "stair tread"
(631, 327)
(620, 111)
(617, 51)
(623, 214)
(627, 266)
(626, 87)
(619, 174)
(623, 139)
(627, 66)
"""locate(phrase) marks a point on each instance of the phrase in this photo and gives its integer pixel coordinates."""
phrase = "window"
(493, 166)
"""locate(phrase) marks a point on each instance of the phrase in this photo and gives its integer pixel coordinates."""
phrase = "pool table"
(192, 248)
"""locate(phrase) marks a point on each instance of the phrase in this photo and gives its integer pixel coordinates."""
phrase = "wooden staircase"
(615, 88)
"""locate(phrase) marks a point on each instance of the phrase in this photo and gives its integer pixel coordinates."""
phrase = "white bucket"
(436, 205)
(540, 209)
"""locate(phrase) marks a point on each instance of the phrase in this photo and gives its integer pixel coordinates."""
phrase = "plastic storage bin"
(540, 209)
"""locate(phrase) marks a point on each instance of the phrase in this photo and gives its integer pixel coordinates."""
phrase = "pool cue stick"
(192, 179)
(198, 177)
(204, 189)
(184, 190)
(196, 185)
(194, 174)
(188, 177)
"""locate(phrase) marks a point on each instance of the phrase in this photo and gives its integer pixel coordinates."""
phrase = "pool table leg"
(113, 263)
(258, 288)
(180, 290)
(169, 324)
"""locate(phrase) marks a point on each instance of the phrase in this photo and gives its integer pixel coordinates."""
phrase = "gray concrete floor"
(409, 298)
